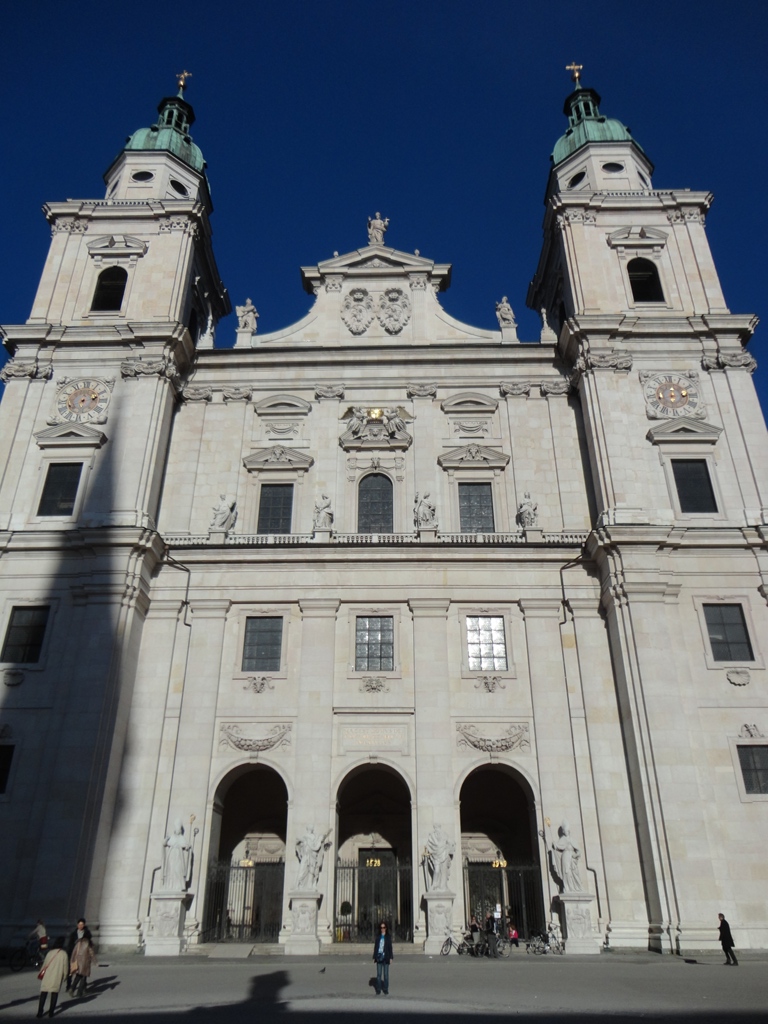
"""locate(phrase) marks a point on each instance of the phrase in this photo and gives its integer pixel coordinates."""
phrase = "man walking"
(726, 941)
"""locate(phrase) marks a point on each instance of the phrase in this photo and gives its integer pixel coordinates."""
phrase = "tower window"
(375, 504)
(24, 639)
(476, 508)
(110, 289)
(374, 643)
(60, 489)
(727, 631)
(644, 281)
(694, 487)
(275, 508)
(263, 644)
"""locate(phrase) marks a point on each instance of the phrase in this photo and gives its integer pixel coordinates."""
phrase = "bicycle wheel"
(18, 960)
(446, 947)
(502, 948)
(462, 948)
(558, 947)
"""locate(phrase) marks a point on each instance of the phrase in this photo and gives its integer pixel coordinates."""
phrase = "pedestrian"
(490, 936)
(80, 963)
(726, 941)
(81, 931)
(383, 955)
(514, 938)
(54, 970)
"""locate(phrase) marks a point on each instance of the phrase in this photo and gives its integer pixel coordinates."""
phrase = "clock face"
(83, 401)
(671, 394)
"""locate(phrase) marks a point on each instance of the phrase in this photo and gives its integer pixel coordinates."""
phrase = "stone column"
(434, 767)
(312, 803)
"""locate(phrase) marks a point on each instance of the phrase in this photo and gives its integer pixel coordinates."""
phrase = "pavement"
(628, 987)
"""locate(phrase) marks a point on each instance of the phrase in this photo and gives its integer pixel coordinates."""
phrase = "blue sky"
(439, 113)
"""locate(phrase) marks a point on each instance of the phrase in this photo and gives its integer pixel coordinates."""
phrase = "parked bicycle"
(541, 944)
(451, 943)
(28, 955)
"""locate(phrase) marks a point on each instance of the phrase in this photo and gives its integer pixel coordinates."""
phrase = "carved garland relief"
(358, 310)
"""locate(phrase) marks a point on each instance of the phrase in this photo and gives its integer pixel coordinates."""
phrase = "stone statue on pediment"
(376, 229)
(504, 313)
(247, 316)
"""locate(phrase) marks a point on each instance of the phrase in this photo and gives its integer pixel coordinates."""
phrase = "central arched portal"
(500, 849)
(374, 878)
(244, 895)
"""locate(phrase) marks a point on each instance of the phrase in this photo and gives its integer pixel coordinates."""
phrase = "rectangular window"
(275, 508)
(24, 638)
(476, 508)
(754, 767)
(486, 646)
(694, 487)
(263, 644)
(60, 489)
(727, 630)
(374, 643)
(6, 756)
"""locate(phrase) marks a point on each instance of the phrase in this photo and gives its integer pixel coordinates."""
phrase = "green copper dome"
(170, 133)
(586, 124)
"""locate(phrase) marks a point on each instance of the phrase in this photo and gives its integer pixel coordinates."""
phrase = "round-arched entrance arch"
(244, 895)
(500, 849)
(374, 877)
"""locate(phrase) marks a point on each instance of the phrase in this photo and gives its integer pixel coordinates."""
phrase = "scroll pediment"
(117, 245)
(469, 402)
(473, 456)
(282, 405)
(278, 458)
(70, 435)
(682, 430)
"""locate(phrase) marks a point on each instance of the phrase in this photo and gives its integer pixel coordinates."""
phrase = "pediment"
(473, 456)
(376, 256)
(117, 245)
(68, 435)
(278, 457)
(282, 405)
(635, 237)
(682, 430)
(374, 262)
(469, 402)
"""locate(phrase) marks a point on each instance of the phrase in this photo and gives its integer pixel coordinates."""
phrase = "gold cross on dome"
(576, 69)
(182, 79)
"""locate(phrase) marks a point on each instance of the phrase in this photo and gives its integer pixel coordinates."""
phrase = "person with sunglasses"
(382, 954)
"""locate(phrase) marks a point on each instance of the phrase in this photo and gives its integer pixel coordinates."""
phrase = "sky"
(441, 114)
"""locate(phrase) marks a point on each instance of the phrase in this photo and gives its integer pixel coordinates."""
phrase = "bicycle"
(451, 943)
(540, 945)
(28, 955)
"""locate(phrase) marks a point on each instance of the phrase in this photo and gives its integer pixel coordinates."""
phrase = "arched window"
(110, 288)
(374, 504)
(644, 281)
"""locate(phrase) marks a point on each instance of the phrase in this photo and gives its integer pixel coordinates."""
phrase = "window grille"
(374, 643)
(24, 637)
(375, 504)
(754, 767)
(263, 644)
(476, 508)
(275, 508)
(727, 630)
(486, 645)
(694, 487)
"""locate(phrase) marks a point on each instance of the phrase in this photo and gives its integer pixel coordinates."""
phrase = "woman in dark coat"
(382, 954)
(726, 941)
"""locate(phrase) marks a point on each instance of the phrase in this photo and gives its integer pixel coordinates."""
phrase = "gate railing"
(244, 903)
(516, 888)
(364, 896)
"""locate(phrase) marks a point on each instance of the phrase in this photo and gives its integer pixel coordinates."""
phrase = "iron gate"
(516, 889)
(374, 888)
(244, 903)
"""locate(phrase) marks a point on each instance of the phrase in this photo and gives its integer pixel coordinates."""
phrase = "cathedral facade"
(383, 615)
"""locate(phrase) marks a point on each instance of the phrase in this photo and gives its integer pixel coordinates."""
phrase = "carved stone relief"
(515, 387)
(375, 428)
(237, 394)
(357, 466)
(148, 368)
(750, 732)
(232, 735)
(490, 683)
(197, 394)
(258, 684)
(428, 390)
(374, 684)
(329, 391)
(730, 360)
(555, 387)
(516, 737)
(18, 369)
(394, 310)
(357, 311)
(738, 676)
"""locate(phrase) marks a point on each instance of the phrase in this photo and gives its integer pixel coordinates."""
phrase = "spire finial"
(575, 70)
(182, 80)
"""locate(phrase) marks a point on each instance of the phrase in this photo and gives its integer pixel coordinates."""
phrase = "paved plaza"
(338, 989)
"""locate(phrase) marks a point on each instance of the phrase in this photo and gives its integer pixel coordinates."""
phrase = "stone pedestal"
(439, 917)
(303, 939)
(509, 335)
(245, 339)
(533, 534)
(167, 917)
(322, 534)
(428, 533)
(581, 935)
(217, 536)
